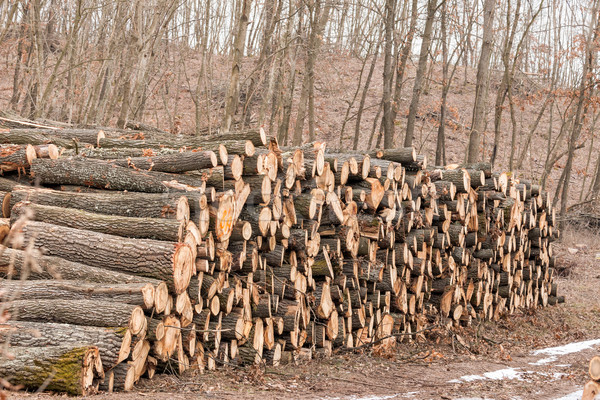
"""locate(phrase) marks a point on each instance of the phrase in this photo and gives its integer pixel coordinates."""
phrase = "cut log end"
(213, 158)
(595, 368)
(183, 209)
(161, 297)
(263, 136)
(246, 230)
(137, 321)
(30, 154)
(223, 154)
(249, 148)
(237, 167)
(183, 267)
(225, 218)
(53, 151)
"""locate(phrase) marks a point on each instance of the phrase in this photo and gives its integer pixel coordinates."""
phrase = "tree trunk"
(478, 123)
(233, 93)
(388, 75)
(404, 54)
(440, 151)
(585, 92)
(288, 95)
(318, 23)
(418, 86)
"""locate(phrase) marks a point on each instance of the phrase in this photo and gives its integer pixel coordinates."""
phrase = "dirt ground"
(511, 359)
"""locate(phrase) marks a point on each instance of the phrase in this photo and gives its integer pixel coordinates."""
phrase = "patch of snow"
(467, 378)
(410, 394)
(553, 375)
(544, 361)
(572, 396)
(570, 348)
(507, 373)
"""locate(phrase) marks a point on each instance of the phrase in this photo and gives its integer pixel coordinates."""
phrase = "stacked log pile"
(187, 253)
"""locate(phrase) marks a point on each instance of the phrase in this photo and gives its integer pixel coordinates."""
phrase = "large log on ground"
(103, 175)
(45, 334)
(140, 294)
(74, 369)
(19, 264)
(146, 228)
(170, 262)
(141, 205)
(176, 162)
(77, 312)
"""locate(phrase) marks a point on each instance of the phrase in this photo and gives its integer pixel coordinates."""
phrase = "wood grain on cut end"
(594, 369)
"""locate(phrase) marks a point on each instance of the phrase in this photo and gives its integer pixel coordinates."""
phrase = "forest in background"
(513, 82)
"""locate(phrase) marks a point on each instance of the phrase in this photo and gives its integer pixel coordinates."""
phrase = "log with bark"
(140, 205)
(27, 334)
(174, 163)
(72, 368)
(170, 230)
(31, 264)
(103, 175)
(140, 294)
(170, 262)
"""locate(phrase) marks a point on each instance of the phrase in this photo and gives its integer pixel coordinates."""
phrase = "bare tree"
(233, 93)
(320, 11)
(388, 75)
(586, 86)
(478, 123)
(418, 85)
(447, 76)
(405, 51)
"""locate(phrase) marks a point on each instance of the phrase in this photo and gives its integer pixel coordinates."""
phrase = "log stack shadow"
(180, 253)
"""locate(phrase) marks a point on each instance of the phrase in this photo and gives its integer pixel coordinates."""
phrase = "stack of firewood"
(175, 253)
